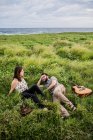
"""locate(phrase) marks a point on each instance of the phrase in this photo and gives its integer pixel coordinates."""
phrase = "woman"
(20, 85)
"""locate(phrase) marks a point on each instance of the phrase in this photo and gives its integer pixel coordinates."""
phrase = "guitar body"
(81, 90)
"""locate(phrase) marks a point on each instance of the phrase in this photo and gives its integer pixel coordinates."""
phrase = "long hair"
(17, 72)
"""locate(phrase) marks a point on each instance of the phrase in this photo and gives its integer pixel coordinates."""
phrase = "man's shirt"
(49, 81)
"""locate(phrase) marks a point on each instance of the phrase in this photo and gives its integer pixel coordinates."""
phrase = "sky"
(46, 13)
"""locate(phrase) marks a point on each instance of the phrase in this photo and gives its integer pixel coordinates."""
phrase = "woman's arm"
(13, 86)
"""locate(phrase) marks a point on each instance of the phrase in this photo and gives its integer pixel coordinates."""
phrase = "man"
(57, 90)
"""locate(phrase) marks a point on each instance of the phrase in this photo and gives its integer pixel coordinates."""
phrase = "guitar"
(81, 90)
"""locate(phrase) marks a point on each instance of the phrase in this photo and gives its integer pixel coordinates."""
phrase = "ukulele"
(81, 90)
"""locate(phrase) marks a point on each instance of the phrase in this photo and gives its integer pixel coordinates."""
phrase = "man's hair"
(44, 74)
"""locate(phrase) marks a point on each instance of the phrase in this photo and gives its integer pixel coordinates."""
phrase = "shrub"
(67, 56)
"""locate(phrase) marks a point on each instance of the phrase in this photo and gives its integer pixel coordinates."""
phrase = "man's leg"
(64, 112)
(63, 89)
(62, 97)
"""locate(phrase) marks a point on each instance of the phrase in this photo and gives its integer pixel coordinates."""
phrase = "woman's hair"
(17, 72)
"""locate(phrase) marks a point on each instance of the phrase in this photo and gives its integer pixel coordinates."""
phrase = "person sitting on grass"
(20, 85)
(57, 90)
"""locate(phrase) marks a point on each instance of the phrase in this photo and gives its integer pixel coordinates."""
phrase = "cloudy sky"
(46, 13)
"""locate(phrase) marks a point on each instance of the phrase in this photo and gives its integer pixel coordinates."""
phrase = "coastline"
(24, 31)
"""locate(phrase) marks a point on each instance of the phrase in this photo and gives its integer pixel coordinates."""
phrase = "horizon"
(46, 27)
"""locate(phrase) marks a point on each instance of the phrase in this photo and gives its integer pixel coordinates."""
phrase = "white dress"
(21, 86)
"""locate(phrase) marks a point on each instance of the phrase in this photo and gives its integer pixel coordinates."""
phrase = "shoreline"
(30, 31)
(46, 33)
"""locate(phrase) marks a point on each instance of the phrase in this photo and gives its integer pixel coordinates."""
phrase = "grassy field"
(69, 57)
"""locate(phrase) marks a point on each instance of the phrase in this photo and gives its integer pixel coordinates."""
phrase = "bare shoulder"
(15, 81)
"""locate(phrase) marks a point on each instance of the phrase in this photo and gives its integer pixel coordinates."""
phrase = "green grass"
(69, 57)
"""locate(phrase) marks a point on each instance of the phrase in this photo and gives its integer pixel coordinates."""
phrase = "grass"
(69, 57)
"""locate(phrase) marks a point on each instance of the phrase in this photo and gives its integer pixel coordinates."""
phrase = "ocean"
(19, 31)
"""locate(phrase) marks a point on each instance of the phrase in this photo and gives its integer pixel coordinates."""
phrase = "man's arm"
(39, 83)
(52, 84)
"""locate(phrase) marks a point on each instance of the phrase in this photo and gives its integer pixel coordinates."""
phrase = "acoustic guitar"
(81, 90)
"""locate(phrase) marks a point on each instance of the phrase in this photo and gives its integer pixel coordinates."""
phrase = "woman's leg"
(33, 97)
(36, 89)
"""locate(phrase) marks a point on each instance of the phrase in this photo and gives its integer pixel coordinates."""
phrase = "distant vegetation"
(69, 57)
